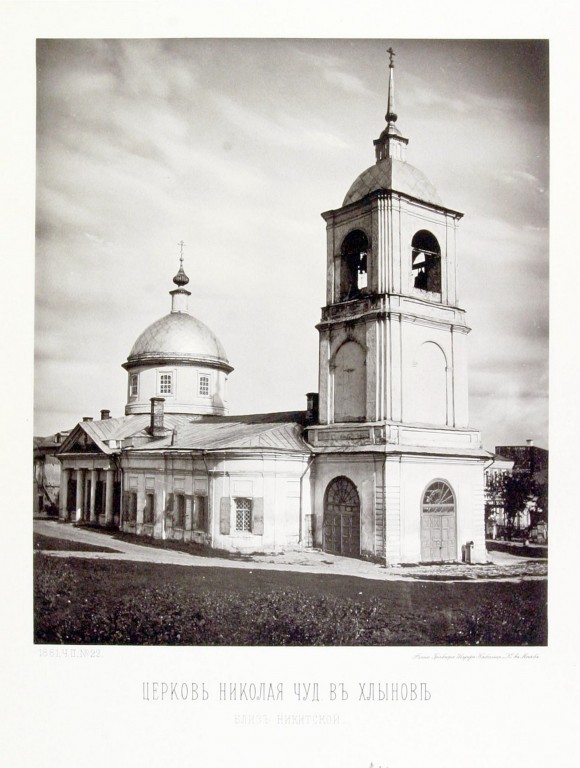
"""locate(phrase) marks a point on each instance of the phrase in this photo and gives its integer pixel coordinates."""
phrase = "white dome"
(178, 337)
(396, 175)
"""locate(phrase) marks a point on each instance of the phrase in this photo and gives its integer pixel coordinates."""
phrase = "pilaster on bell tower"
(392, 338)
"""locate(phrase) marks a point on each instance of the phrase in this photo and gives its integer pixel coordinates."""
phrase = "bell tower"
(398, 474)
(392, 337)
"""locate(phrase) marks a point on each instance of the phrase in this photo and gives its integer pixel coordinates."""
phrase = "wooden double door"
(341, 533)
(438, 524)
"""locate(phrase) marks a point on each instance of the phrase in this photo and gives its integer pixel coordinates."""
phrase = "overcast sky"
(236, 147)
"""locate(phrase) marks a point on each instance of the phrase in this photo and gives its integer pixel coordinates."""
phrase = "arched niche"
(427, 386)
(349, 366)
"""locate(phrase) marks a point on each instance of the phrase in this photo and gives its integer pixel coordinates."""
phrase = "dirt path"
(502, 566)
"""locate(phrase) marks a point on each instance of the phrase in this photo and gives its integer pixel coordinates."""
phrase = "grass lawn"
(113, 602)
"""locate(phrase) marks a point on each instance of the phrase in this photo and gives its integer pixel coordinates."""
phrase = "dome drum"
(135, 361)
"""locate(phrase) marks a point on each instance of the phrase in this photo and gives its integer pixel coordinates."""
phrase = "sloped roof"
(497, 457)
(266, 431)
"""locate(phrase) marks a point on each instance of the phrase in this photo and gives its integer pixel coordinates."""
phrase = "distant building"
(495, 473)
(529, 464)
(528, 459)
(46, 483)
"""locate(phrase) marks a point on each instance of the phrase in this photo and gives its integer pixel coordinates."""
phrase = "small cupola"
(178, 358)
(180, 295)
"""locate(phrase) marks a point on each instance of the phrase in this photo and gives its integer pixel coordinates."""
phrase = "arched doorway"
(341, 532)
(438, 537)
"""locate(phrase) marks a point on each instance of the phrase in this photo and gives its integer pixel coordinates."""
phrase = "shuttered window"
(225, 515)
(149, 511)
(201, 522)
(179, 510)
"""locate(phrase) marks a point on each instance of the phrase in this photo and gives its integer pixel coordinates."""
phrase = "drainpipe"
(209, 516)
(302, 476)
(385, 504)
(117, 461)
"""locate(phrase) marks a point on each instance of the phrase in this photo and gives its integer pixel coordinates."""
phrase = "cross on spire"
(391, 116)
(181, 245)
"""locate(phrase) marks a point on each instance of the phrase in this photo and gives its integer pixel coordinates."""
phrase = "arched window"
(438, 498)
(353, 265)
(426, 262)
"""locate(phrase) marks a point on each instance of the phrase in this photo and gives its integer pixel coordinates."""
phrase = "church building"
(382, 464)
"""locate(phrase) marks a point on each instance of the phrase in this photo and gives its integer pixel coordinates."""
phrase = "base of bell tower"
(415, 492)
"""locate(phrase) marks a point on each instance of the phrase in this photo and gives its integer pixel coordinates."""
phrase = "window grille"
(243, 515)
(165, 384)
(204, 385)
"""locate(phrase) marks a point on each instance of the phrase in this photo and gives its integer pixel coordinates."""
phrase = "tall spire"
(391, 116)
(391, 143)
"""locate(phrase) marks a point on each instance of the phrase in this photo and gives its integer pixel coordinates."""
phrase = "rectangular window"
(201, 509)
(243, 514)
(179, 511)
(149, 511)
(134, 385)
(165, 384)
(204, 386)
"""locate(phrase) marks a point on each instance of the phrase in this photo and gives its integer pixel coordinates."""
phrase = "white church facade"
(382, 464)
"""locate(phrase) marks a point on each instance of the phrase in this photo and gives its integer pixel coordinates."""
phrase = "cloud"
(236, 146)
(330, 66)
(522, 179)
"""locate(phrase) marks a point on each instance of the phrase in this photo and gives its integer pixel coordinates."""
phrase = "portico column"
(63, 496)
(80, 495)
(109, 477)
(92, 513)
